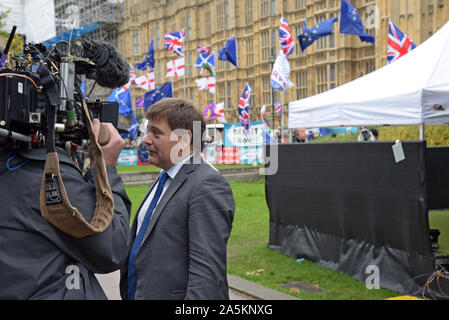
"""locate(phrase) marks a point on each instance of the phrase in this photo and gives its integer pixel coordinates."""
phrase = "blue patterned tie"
(132, 274)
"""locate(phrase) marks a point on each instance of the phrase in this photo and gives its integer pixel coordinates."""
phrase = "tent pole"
(282, 118)
(422, 132)
(184, 80)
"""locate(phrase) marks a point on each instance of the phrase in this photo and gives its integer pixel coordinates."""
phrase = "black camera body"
(43, 77)
(23, 108)
(20, 105)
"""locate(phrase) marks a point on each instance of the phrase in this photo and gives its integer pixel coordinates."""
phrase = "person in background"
(367, 135)
(300, 136)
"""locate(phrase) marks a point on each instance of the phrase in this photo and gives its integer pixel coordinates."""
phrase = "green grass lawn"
(439, 219)
(249, 257)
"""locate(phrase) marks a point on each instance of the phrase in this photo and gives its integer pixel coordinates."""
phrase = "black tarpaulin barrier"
(349, 206)
(437, 168)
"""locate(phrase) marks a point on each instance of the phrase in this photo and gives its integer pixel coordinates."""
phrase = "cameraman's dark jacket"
(38, 261)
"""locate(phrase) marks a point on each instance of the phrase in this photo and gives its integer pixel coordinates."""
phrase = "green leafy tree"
(17, 43)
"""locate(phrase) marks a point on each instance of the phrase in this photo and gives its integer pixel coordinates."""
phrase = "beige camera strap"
(54, 202)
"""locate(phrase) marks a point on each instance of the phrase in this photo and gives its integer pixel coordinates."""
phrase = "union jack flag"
(173, 42)
(285, 38)
(203, 49)
(244, 104)
(278, 108)
(399, 44)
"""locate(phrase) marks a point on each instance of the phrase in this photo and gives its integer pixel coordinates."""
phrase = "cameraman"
(38, 261)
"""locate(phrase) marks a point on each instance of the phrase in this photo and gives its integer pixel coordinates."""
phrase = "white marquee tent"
(33, 18)
(401, 93)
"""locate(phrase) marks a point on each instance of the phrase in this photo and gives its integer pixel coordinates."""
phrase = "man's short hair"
(179, 113)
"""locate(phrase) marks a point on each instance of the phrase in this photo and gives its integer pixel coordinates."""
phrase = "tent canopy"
(401, 93)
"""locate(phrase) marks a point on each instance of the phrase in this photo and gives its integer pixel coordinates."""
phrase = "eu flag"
(124, 102)
(148, 62)
(151, 97)
(229, 52)
(133, 128)
(323, 29)
(306, 38)
(351, 23)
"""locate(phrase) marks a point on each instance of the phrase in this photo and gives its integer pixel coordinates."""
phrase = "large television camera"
(41, 104)
(50, 78)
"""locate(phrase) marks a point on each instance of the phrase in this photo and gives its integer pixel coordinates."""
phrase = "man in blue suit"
(180, 232)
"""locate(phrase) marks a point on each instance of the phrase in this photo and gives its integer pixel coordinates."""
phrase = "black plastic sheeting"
(438, 178)
(349, 206)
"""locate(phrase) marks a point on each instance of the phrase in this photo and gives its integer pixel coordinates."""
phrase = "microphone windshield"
(112, 69)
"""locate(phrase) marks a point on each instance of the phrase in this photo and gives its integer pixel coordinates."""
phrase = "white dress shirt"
(172, 172)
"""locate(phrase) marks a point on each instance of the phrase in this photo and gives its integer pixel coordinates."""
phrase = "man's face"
(159, 144)
(301, 134)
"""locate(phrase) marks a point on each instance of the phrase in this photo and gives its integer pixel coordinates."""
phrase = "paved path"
(110, 284)
(239, 289)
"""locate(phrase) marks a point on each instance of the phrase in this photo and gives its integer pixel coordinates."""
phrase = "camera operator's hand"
(112, 149)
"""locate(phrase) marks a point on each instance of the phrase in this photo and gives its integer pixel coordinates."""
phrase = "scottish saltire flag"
(176, 68)
(203, 49)
(351, 23)
(206, 61)
(133, 128)
(281, 72)
(220, 112)
(399, 44)
(148, 62)
(285, 38)
(278, 108)
(244, 104)
(263, 116)
(209, 113)
(229, 52)
(207, 83)
(147, 82)
(173, 42)
(165, 91)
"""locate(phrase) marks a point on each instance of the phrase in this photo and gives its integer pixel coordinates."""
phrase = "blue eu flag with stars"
(151, 97)
(148, 62)
(124, 102)
(351, 23)
(323, 29)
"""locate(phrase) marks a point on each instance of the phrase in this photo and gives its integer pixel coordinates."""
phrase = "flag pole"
(184, 78)
(215, 102)
(282, 118)
(338, 60)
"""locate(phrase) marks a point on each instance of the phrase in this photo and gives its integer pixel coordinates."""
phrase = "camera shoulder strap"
(55, 204)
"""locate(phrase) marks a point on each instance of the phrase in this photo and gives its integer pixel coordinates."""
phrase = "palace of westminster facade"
(329, 62)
